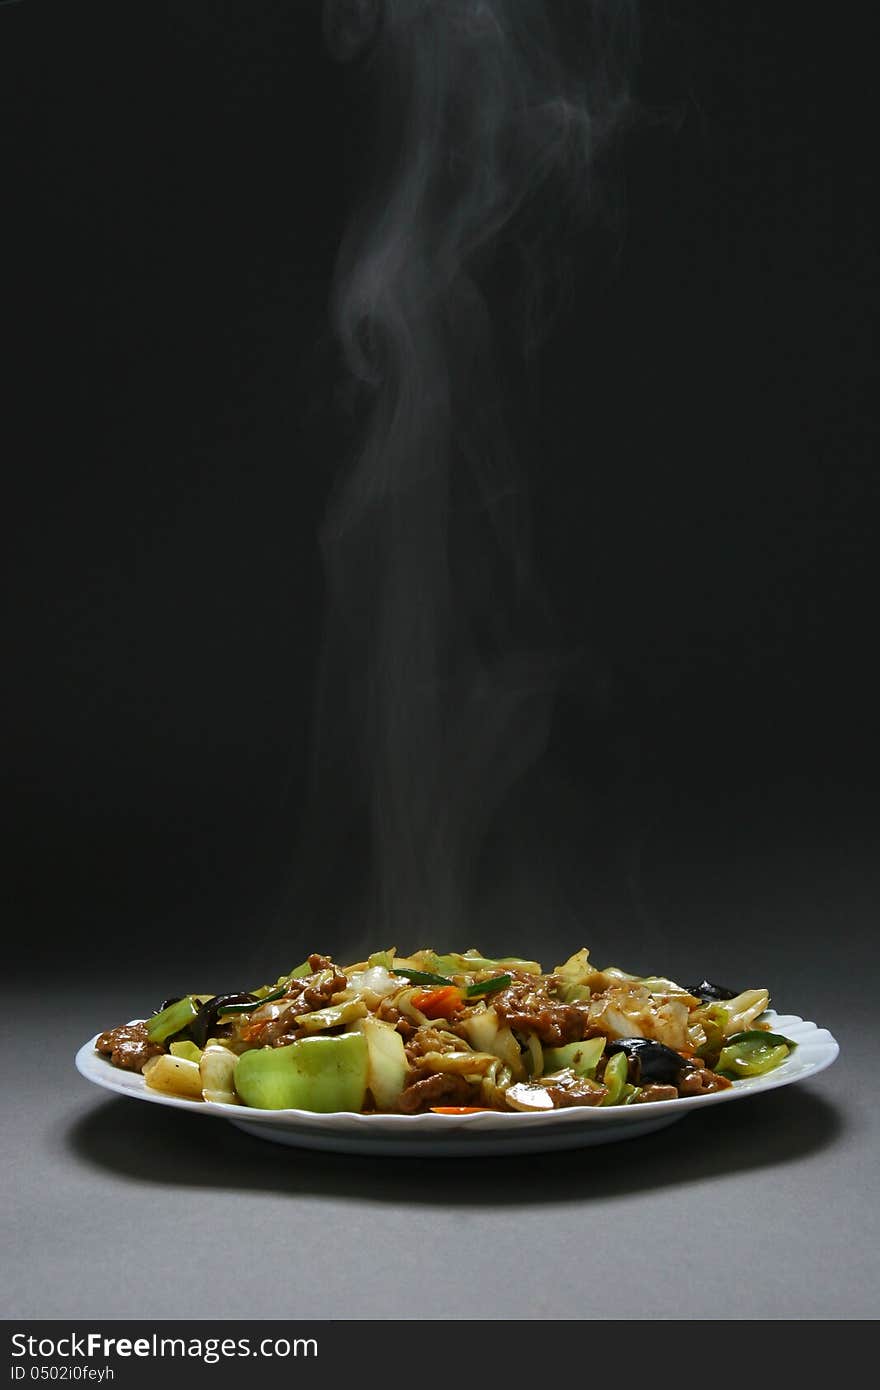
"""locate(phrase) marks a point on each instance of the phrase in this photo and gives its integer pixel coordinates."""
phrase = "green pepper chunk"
(320, 1074)
(384, 958)
(581, 1057)
(713, 1019)
(333, 1016)
(169, 1021)
(756, 1035)
(616, 1069)
(752, 1053)
(301, 972)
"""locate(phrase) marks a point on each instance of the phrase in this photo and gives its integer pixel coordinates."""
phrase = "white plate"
(487, 1132)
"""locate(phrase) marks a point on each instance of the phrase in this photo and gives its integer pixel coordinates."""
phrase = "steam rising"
(436, 689)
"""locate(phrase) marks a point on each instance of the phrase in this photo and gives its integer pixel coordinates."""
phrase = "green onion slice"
(422, 977)
(249, 1008)
(489, 986)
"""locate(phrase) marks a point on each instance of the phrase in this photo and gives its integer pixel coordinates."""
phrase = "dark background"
(175, 182)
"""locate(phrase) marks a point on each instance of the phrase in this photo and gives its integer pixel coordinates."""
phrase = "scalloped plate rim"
(348, 1131)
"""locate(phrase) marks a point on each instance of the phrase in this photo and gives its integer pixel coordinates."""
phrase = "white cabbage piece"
(535, 1057)
(468, 1064)
(577, 976)
(659, 984)
(387, 1067)
(486, 1033)
(217, 1069)
(632, 1011)
(374, 981)
(493, 1086)
(735, 1015)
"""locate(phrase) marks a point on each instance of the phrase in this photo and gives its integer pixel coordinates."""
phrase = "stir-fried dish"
(451, 1034)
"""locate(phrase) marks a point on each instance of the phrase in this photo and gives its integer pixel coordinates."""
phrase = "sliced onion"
(267, 1012)
(528, 1095)
(376, 980)
(536, 1055)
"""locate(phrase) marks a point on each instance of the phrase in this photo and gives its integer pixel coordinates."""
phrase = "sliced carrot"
(458, 1109)
(438, 1003)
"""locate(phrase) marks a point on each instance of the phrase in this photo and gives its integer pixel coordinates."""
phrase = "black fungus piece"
(208, 1014)
(710, 993)
(650, 1062)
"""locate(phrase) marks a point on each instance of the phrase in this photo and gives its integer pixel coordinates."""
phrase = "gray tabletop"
(765, 1209)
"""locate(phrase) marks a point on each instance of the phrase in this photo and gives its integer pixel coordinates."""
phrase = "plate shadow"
(146, 1144)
